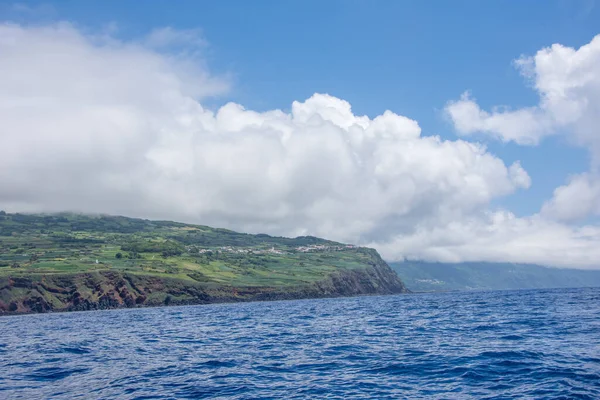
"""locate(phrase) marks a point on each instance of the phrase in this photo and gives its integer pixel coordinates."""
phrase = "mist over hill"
(431, 276)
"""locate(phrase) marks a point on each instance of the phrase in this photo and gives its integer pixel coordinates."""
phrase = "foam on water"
(534, 343)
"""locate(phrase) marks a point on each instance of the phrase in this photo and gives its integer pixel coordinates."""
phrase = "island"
(75, 262)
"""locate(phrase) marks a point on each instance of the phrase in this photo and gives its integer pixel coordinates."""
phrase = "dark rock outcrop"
(108, 289)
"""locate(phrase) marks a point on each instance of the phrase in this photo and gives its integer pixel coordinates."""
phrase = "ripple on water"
(53, 373)
(535, 344)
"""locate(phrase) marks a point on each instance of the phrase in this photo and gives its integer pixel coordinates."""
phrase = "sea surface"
(509, 344)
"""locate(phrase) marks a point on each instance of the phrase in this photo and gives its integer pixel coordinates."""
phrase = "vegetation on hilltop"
(72, 251)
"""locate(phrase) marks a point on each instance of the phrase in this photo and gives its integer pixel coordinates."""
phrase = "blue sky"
(410, 57)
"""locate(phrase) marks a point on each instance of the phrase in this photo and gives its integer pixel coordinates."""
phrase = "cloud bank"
(97, 124)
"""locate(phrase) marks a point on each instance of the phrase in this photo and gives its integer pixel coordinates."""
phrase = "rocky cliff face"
(106, 290)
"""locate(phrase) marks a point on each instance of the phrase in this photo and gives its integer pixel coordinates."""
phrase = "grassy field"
(43, 245)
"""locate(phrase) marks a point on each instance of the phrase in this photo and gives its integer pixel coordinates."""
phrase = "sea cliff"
(70, 262)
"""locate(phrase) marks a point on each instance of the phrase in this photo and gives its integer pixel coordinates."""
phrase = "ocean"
(505, 344)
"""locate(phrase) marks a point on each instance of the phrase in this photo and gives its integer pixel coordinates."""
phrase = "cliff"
(76, 263)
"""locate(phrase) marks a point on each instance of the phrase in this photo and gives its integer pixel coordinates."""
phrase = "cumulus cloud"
(97, 124)
(576, 200)
(525, 126)
(114, 126)
(568, 83)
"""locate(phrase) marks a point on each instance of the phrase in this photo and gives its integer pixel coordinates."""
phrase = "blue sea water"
(512, 344)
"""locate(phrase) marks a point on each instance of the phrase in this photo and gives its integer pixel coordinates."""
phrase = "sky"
(438, 131)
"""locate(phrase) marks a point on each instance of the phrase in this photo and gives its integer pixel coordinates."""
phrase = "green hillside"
(424, 276)
(70, 261)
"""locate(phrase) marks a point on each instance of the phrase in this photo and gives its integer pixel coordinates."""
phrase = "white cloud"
(526, 126)
(568, 83)
(576, 200)
(95, 124)
(500, 236)
(115, 127)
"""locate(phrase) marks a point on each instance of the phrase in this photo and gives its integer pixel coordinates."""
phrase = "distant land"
(426, 276)
(72, 262)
